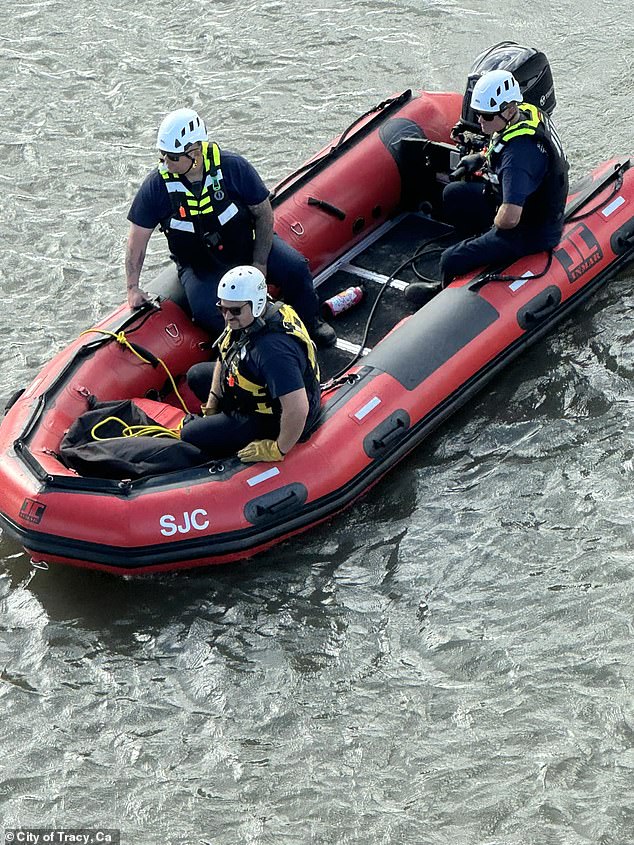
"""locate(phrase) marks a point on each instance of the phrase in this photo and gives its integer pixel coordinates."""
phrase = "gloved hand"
(468, 165)
(457, 129)
(261, 450)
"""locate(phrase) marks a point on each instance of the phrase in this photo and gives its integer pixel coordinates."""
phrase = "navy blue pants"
(471, 207)
(223, 434)
(286, 269)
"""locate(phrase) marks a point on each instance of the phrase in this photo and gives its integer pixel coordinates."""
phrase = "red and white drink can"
(343, 301)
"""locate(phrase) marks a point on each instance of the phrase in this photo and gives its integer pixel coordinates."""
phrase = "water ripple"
(449, 661)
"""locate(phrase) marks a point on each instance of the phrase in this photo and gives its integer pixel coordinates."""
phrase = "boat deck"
(383, 266)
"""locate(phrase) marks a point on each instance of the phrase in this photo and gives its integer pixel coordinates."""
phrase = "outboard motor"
(529, 66)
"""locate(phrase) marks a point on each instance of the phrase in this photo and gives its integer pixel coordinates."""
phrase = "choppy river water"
(448, 662)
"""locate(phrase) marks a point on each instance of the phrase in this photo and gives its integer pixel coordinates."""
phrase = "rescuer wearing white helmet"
(512, 202)
(262, 394)
(215, 212)
(494, 92)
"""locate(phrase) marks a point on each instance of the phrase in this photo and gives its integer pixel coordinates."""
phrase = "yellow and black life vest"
(241, 393)
(210, 222)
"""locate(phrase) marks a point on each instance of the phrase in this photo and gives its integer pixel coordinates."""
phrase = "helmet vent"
(180, 129)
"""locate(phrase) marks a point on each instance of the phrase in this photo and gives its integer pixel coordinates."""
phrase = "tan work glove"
(261, 450)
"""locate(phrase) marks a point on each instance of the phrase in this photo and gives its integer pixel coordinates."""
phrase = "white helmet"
(494, 91)
(244, 284)
(178, 129)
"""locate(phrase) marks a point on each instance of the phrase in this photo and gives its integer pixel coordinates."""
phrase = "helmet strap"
(512, 117)
(192, 163)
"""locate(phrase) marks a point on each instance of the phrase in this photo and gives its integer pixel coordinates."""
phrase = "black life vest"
(213, 226)
(241, 392)
(546, 205)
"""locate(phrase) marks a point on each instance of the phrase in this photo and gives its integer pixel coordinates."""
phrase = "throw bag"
(116, 456)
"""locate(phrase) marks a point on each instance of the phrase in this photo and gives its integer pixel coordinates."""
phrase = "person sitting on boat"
(262, 394)
(515, 204)
(215, 211)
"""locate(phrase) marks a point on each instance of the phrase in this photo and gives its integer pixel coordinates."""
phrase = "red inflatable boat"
(366, 212)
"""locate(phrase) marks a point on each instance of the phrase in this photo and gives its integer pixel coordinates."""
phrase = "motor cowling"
(530, 68)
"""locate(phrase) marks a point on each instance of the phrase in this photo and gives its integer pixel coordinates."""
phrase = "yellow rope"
(122, 339)
(136, 430)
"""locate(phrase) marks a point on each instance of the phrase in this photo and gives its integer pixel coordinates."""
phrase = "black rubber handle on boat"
(394, 433)
(328, 207)
(144, 353)
(540, 308)
(539, 313)
(278, 507)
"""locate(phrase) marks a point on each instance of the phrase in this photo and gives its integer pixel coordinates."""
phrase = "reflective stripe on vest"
(226, 215)
(183, 225)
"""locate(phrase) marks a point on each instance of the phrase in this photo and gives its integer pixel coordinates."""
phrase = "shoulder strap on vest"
(527, 126)
(531, 124)
(211, 156)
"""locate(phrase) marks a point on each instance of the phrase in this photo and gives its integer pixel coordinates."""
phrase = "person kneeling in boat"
(513, 204)
(215, 212)
(262, 394)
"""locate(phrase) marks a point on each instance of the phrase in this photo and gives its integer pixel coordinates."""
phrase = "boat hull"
(422, 366)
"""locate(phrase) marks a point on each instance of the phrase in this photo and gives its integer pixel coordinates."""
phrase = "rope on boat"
(121, 338)
(136, 430)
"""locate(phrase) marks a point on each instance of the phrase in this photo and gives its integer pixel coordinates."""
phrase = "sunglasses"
(487, 117)
(234, 310)
(172, 156)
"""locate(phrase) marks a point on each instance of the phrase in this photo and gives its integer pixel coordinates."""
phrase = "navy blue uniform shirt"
(523, 165)
(279, 362)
